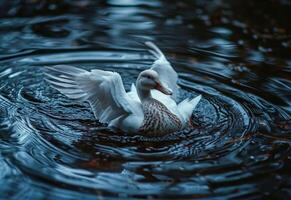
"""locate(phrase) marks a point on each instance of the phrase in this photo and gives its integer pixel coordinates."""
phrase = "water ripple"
(53, 148)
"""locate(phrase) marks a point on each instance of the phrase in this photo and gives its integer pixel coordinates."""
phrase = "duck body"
(148, 108)
(158, 119)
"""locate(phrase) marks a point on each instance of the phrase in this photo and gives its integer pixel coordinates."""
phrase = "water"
(236, 54)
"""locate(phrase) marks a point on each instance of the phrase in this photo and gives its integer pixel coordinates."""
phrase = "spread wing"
(104, 90)
(167, 74)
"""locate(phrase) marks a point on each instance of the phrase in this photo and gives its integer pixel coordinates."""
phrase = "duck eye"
(147, 76)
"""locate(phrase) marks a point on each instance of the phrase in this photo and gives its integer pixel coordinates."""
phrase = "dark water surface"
(237, 54)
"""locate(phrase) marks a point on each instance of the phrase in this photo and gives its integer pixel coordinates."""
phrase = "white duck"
(148, 108)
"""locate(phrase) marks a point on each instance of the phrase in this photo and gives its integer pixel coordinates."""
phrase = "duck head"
(149, 80)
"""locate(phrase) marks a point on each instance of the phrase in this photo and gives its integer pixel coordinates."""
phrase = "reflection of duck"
(148, 108)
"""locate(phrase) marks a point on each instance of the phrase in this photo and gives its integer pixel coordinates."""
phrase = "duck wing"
(167, 74)
(104, 91)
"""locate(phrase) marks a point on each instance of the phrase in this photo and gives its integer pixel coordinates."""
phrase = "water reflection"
(234, 53)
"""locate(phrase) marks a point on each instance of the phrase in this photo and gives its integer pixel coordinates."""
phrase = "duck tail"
(187, 106)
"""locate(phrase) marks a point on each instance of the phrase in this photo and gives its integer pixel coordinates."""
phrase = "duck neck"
(143, 94)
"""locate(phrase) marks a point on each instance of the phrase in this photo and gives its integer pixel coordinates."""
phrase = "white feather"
(186, 107)
(168, 75)
(105, 92)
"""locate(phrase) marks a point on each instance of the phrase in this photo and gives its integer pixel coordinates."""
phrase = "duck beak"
(163, 89)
